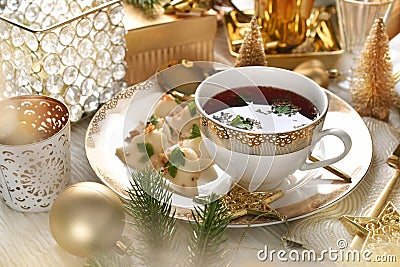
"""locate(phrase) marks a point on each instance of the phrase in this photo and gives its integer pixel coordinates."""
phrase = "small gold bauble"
(86, 217)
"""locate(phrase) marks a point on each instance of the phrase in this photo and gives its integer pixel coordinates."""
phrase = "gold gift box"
(152, 42)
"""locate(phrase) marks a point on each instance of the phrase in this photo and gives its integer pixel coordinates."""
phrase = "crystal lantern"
(73, 51)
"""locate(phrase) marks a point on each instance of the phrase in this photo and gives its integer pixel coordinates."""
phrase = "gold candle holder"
(34, 152)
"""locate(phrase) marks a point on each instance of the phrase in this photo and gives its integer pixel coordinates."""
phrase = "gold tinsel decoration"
(372, 88)
(251, 52)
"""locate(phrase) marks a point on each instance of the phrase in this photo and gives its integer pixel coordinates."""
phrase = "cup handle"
(343, 136)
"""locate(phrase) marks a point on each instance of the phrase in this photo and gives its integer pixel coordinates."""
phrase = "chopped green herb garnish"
(177, 100)
(192, 108)
(172, 170)
(241, 123)
(147, 149)
(176, 159)
(152, 120)
(195, 131)
(284, 109)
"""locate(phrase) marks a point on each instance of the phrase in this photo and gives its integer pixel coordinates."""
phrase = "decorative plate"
(305, 192)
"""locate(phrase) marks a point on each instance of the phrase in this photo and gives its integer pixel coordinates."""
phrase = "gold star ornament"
(240, 202)
(382, 231)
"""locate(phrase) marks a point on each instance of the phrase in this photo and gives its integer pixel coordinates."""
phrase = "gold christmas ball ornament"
(86, 218)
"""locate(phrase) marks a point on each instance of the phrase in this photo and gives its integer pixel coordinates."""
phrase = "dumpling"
(157, 138)
(133, 156)
(160, 124)
(137, 155)
(148, 145)
(135, 132)
(193, 144)
(165, 106)
(181, 167)
(183, 121)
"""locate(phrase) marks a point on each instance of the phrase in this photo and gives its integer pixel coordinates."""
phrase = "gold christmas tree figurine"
(372, 88)
(252, 53)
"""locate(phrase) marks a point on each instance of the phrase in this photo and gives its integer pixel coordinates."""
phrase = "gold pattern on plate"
(94, 127)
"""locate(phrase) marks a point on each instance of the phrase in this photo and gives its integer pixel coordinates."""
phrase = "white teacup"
(261, 159)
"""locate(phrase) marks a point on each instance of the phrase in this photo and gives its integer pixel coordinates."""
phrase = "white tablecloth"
(25, 239)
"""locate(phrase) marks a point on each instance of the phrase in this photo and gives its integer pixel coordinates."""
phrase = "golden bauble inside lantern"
(86, 218)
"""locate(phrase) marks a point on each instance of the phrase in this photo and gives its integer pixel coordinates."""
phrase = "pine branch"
(150, 208)
(147, 6)
(207, 234)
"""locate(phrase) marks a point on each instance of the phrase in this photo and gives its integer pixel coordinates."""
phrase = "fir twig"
(207, 236)
(147, 6)
(150, 208)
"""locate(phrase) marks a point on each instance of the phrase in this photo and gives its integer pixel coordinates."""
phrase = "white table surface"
(25, 239)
